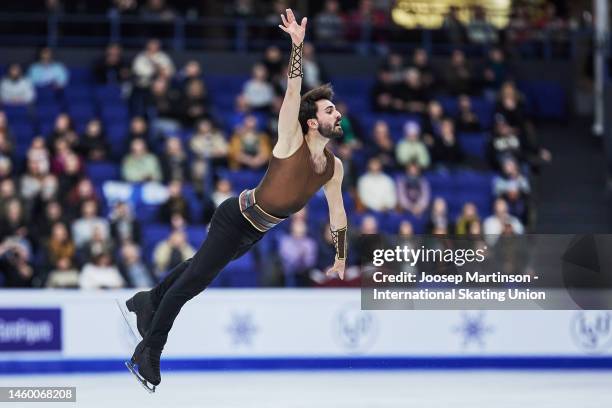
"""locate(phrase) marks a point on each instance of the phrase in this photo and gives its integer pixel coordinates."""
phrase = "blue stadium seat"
(46, 95)
(99, 172)
(81, 112)
(473, 144)
(241, 179)
(114, 113)
(17, 113)
(108, 94)
(23, 132)
(48, 112)
(80, 75)
(78, 94)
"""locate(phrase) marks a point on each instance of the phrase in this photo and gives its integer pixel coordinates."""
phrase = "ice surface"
(336, 389)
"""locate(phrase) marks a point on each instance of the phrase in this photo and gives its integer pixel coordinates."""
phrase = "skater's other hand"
(291, 27)
(337, 268)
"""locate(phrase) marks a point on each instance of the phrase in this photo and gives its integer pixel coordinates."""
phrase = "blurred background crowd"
(111, 167)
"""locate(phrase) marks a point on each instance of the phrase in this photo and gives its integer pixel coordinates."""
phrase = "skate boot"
(142, 305)
(144, 364)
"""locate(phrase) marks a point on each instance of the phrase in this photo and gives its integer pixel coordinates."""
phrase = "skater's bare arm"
(337, 219)
(289, 131)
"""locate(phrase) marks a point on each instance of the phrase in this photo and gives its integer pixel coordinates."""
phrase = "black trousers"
(229, 237)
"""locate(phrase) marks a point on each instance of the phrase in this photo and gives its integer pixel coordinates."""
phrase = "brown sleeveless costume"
(285, 188)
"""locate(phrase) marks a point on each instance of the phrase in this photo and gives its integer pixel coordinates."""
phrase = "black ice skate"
(142, 306)
(145, 366)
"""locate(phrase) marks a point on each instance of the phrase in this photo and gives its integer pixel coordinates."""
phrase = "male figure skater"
(300, 165)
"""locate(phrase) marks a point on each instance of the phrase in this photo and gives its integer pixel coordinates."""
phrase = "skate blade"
(137, 338)
(149, 387)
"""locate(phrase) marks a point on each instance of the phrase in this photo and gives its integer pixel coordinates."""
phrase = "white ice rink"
(336, 389)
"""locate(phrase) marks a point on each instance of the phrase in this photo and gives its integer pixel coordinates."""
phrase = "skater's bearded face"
(328, 119)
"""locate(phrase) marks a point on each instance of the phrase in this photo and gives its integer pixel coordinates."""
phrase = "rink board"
(55, 331)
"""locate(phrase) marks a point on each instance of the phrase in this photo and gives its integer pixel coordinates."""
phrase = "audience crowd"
(57, 228)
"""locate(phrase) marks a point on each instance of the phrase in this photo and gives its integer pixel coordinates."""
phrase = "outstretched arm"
(337, 219)
(289, 131)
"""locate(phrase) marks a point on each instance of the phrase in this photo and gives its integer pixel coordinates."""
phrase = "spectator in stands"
(504, 144)
(148, 64)
(223, 191)
(410, 95)
(192, 71)
(496, 71)
(83, 191)
(458, 75)
(432, 123)
(33, 180)
(6, 144)
(14, 220)
(479, 30)
(174, 160)
(501, 219)
(273, 61)
(171, 252)
(381, 145)
(382, 94)
(140, 165)
(394, 64)
(63, 276)
(298, 254)
(59, 247)
(47, 72)
(376, 189)
(101, 273)
(208, 145)
(195, 104)
(16, 89)
(124, 227)
(455, 30)
(138, 130)
(6, 168)
(100, 243)
(112, 68)
(314, 75)
(466, 121)
(248, 147)
(469, 215)
(514, 188)
(175, 204)
(93, 144)
(8, 191)
(405, 231)
(83, 228)
(15, 258)
(446, 149)
(165, 100)
(65, 159)
(367, 18)
(411, 147)
(439, 220)
(352, 135)
(329, 25)
(42, 224)
(511, 110)
(257, 91)
(133, 268)
(63, 129)
(4, 127)
(420, 61)
(157, 10)
(413, 190)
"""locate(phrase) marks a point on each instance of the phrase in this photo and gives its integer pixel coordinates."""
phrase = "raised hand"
(337, 269)
(291, 27)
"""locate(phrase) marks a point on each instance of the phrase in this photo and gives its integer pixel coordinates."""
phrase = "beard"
(331, 131)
